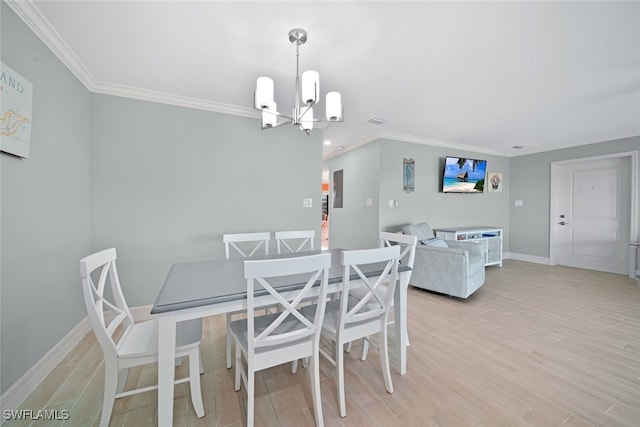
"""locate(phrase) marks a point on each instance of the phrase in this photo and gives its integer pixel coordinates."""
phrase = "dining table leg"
(400, 324)
(166, 369)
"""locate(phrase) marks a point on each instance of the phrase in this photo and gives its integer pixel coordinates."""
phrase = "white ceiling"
(483, 76)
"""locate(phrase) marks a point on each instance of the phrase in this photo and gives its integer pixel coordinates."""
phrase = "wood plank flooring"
(535, 346)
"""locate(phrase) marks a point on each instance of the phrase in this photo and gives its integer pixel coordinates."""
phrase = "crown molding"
(346, 148)
(33, 18)
(510, 153)
(595, 140)
(442, 143)
(170, 99)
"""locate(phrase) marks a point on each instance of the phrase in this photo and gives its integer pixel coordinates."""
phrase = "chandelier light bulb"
(334, 106)
(269, 117)
(264, 93)
(306, 121)
(310, 87)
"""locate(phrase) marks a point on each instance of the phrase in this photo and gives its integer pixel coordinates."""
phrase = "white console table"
(489, 237)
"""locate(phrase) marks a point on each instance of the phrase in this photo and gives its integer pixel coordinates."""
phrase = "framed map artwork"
(16, 96)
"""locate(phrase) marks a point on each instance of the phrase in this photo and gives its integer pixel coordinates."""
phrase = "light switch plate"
(369, 202)
(307, 203)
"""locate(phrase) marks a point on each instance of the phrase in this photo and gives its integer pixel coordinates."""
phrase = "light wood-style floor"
(536, 346)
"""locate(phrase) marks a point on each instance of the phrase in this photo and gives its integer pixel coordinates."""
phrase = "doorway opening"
(324, 243)
(324, 236)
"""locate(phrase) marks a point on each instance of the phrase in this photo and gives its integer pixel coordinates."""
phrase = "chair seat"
(239, 330)
(332, 320)
(142, 339)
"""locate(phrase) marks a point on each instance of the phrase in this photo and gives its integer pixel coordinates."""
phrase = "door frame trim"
(633, 217)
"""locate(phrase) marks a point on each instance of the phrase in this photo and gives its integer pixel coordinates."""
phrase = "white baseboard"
(527, 258)
(18, 392)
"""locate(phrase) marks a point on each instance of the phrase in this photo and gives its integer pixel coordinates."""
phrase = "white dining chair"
(244, 245)
(126, 344)
(286, 335)
(294, 241)
(349, 319)
(407, 244)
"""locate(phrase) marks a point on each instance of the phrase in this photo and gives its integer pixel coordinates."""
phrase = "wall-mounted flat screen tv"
(462, 175)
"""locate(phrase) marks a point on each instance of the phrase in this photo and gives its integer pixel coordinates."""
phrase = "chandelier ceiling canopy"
(307, 95)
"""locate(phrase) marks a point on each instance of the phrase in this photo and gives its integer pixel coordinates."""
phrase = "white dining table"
(204, 288)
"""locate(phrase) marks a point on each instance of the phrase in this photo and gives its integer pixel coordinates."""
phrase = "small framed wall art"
(495, 182)
(408, 175)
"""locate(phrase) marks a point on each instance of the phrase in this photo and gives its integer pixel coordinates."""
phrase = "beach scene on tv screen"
(464, 175)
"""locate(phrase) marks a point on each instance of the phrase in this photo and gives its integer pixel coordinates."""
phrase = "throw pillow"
(422, 231)
(438, 242)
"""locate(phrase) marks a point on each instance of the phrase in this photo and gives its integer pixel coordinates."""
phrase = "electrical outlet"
(307, 203)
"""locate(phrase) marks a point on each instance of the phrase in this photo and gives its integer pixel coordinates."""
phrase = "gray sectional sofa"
(445, 266)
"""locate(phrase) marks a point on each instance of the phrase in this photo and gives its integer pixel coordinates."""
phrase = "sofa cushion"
(476, 264)
(422, 231)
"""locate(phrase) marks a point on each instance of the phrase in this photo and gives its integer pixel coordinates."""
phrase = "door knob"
(562, 223)
(561, 216)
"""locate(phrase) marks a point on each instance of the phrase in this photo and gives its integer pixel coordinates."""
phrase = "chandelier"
(307, 95)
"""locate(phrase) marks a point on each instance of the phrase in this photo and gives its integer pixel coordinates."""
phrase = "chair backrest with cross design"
(246, 244)
(407, 245)
(375, 295)
(294, 241)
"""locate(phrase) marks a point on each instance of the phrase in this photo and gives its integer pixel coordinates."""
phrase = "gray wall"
(45, 217)
(529, 224)
(167, 182)
(427, 202)
(355, 226)
(160, 183)
(375, 170)
(526, 178)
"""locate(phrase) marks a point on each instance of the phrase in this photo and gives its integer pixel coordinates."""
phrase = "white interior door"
(592, 214)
